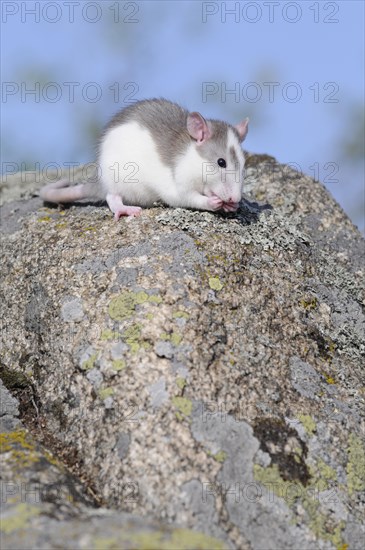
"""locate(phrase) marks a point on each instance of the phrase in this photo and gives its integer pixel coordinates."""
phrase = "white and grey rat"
(156, 150)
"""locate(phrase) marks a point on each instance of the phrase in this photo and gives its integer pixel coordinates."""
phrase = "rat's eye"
(222, 163)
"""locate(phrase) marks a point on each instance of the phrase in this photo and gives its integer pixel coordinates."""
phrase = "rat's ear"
(242, 128)
(197, 127)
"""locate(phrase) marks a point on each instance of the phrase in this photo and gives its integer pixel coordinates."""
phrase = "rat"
(155, 150)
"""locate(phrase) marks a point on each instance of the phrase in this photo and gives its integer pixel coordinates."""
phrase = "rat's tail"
(63, 191)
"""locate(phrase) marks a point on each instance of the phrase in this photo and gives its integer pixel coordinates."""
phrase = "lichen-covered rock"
(44, 506)
(200, 369)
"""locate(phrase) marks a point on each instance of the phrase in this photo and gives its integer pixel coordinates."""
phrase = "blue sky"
(177, 49)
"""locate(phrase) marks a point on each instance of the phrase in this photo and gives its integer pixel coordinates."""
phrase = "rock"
(200, 375)
(44, 506)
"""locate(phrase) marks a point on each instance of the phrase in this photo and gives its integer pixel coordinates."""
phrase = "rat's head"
(219, 145)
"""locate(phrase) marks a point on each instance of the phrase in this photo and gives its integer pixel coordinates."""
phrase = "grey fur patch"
(233, 156)
(165, 120)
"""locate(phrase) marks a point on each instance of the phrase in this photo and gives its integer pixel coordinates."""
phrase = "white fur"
(189, 171)
(131, 151)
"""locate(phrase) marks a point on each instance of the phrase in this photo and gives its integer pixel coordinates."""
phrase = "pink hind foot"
(127, 211)
(119, 209)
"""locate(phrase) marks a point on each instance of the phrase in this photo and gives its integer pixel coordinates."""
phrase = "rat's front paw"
(215, 203)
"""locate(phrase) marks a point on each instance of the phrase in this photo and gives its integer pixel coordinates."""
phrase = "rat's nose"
(233, 199)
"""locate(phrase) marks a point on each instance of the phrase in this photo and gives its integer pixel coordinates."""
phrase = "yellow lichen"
(106, 392)
(176, 338)
(308, 423)
(123, 306)
(181, 383)
(178, 539)
(52, 460)
(356, 465)
(8, 439)
(23, 451)
(292, 490)
(105, 543)
(19, 519)
(108, 334)
(155, 299)
(89, 363)
(215, 283)
(322, 474)
(132, 336)
(140, 297)
(184, 405)
(220, 456)
(309, 303)
(118, 364)
(89, 228)
(180, 315)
